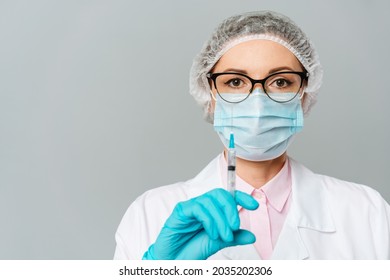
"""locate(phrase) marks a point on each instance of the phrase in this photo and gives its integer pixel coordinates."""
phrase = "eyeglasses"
(281, 87)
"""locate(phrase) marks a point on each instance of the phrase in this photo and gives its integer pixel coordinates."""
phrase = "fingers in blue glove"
(214, 211)
(210, 247)
(201, 226)
(217, 211)
(246, 201)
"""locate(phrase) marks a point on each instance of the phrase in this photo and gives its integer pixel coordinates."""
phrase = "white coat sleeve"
(380, 226)
(386, 210)
(128, 235)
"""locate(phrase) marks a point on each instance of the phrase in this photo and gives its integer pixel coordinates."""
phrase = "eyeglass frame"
(213, 76)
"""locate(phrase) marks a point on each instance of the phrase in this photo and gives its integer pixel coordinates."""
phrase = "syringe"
(231, 169)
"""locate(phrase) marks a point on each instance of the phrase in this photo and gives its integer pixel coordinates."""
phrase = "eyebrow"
(277, 69)
(271, 71)
(235, 70)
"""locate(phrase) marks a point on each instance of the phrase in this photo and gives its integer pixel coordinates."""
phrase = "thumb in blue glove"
(201, 226)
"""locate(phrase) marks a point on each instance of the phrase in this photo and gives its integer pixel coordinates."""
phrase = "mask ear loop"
(304, 87)
(212, 95)
(302, 94)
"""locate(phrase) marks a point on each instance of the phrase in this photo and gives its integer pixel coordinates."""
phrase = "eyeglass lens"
(280, 87)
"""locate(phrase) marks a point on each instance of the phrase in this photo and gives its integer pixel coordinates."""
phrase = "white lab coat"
(328, 219)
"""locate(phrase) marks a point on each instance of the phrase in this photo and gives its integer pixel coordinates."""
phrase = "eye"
(235, 83)
(283, 83)
(232, 83)
(280, 83)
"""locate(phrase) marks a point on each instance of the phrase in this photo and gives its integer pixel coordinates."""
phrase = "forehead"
(257, 56)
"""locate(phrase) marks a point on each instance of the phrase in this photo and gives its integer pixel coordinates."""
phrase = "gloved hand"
(201, 226)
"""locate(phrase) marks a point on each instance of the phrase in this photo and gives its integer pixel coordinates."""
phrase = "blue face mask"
(263, 128)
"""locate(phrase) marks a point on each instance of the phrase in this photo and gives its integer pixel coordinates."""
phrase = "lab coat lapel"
(310, 200)
(309, 210)
(290, 245)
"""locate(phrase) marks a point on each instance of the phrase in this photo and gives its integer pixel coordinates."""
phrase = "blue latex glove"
(200, 227)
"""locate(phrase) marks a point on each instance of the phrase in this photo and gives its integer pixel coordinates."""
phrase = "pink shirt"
(274, 198)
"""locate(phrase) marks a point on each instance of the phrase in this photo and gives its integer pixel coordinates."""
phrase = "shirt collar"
(277, 190)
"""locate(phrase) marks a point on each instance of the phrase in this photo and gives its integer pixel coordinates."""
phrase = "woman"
(256, 78)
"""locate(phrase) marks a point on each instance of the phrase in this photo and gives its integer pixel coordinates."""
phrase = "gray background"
(94, 109)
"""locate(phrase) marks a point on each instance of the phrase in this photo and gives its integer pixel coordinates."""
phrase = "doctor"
(257, 76)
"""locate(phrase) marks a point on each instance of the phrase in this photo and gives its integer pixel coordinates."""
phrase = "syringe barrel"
(231, 172)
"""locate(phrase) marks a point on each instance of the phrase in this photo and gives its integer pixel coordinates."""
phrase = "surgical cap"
(263, 25)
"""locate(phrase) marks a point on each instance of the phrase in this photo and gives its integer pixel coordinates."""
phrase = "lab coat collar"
(309, 210)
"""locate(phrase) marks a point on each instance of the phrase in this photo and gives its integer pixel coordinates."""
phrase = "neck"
(258, 173)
